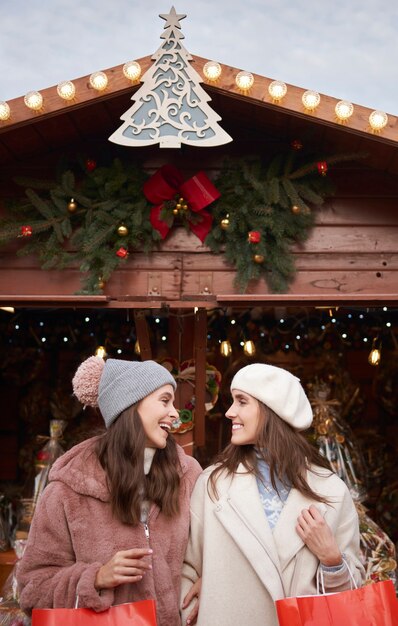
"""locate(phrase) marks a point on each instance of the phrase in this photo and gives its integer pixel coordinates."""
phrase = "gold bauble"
(101, 283)
(295, 209)
(72, 205)
(185, 207)
(175, 211)
(258, 258)
(181, 200)
(178, 206)
(224, 223)
(122, 230)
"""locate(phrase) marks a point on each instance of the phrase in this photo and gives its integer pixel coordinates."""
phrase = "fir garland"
(96, 216)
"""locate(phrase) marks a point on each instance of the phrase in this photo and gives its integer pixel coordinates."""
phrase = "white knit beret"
(278, 389)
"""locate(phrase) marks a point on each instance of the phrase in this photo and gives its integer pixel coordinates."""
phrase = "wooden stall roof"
(95, 115)
(355, 234)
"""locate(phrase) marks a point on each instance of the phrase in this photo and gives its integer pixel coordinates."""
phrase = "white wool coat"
(244, 565)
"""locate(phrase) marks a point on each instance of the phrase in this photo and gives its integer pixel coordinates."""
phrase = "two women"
(112, 526)
(270, 516)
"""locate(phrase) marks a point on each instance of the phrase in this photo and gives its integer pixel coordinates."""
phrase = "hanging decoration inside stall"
(335, 440)
(185, 373)
(170, 108)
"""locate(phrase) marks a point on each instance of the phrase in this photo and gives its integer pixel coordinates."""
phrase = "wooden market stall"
(350, 256)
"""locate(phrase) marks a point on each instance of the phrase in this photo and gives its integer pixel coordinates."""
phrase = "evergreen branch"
(337, 158)
(255, 196)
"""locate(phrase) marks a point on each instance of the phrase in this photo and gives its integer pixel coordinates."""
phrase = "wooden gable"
(351, 254)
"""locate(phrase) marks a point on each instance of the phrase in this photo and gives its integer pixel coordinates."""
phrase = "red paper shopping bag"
(141, 613)
(373, 605)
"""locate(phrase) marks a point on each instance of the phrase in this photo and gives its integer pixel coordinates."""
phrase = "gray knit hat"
(115, 385)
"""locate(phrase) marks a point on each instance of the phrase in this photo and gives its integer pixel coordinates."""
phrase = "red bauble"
(296, 144)
(91, 165)
(26, 231)
(42, 455)
(322, 167)
(254, 236)
(122, 252)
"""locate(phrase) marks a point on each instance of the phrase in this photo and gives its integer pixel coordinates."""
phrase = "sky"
(347, 49)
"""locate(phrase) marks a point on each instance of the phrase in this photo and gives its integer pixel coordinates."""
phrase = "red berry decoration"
(43, 455)
(296, 144)
(26, 231)
(322, 167)
(91, 165)
(122, 253)
(254, 236)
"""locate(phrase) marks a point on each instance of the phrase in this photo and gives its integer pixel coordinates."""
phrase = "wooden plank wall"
(352, 251)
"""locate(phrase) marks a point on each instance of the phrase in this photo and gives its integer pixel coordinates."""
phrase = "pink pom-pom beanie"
(278, 389)
(114, 385)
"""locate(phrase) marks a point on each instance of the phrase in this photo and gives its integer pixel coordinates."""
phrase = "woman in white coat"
(270, 515)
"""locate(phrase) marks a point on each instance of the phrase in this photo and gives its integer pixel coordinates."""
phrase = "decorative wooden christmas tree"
(171, 107)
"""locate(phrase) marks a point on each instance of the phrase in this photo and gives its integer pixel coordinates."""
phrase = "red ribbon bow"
(198, 192)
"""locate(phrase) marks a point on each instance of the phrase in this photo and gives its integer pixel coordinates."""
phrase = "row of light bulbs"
(249, 349)
(66, 90)
(212, 71)
(310, 99)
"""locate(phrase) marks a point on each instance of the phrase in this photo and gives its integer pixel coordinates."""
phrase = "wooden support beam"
(200, 376)
(142, 335)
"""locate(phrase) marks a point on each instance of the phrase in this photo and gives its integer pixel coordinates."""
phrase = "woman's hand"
(318, 537)
(126, 566)
(194, 592)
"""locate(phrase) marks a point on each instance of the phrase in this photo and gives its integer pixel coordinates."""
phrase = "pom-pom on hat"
(114, 385)
(278, 389)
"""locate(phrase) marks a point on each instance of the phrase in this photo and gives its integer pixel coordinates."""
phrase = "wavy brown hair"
(121, 454)
(284, 449)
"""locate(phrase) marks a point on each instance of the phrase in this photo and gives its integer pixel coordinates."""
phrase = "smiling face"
(157, 413)
(245, 416)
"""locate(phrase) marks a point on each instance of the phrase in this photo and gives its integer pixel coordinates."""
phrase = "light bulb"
(34, 100)
(66, 90)
(5, 112)
(378, 120)
(100, 352)
(249, 348)
(212, 70)
(132, 70)
(310, 100)
(375, 353)
(99, 81)
(344, 110)
(277, 90)
(225, 348)
(244, 80)
(137, 348)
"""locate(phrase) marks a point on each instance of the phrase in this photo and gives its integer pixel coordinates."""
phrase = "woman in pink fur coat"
(112, 525)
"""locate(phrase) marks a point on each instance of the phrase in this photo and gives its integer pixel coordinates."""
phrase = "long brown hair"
(284, 449)
(121, 454)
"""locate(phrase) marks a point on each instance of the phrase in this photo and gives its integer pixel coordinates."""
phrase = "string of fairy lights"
(253, 332)
(212, 72)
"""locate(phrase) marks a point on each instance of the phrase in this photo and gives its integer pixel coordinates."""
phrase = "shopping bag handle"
(320, 582)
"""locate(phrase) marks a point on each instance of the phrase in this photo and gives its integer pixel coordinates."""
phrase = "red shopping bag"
(141, 613)
(373, 605)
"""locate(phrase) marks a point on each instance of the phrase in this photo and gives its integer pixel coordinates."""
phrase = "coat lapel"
(240, 512)
(287, 541)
